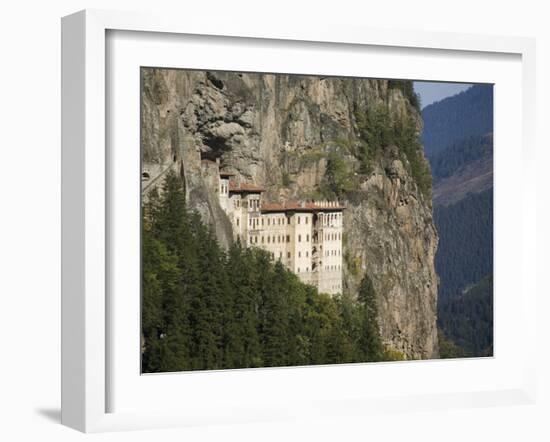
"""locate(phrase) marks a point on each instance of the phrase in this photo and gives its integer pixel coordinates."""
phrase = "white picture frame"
(86, 203)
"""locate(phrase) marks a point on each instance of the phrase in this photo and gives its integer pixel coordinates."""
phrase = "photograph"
(303, 219)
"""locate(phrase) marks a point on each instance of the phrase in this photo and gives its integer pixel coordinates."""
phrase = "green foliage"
(391, 354)
(203, 308)
(465, 250)
(370, 340)
(447, 348)
(467, 319)
(339, 178)
(385, 136)
(469, 113)
(460, 154)
(286, 181)
(406, 86)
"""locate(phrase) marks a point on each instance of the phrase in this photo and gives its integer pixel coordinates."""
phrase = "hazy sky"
(431, 91)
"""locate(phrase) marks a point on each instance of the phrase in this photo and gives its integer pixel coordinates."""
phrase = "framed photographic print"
(268, 223)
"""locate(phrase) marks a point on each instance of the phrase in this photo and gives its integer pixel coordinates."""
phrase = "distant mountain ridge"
(469, 113)
(458, 141)
(464, 167)
(459, 154)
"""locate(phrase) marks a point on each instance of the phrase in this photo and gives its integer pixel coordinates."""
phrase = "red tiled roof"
(226, 174)
(305, 206)
(244, 188)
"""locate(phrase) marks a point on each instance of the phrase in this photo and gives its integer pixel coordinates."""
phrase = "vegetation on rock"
(384, 135)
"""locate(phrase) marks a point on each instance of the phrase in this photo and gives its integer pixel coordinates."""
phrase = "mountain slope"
(467, 319)
(465, 167)
(466, 114)
(465, 252)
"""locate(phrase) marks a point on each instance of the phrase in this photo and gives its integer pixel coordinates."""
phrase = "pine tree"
(208, 305)
(241, 339)
(370, 340)
(275, 313)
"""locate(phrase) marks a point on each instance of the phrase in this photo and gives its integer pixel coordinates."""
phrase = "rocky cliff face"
(281, 131)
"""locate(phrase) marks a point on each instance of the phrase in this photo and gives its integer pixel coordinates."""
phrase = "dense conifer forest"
(207, 308)
(458, 133)
(467, 321)
(465, 251)
(469, 113)
(459, 154)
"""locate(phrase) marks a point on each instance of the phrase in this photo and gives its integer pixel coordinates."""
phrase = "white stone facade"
(305, 236)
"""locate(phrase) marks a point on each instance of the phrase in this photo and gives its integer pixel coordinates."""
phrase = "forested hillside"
(465, 253)
(469, 113)
(467, 320)
(459, 154)
(458, 139)
(204, 308)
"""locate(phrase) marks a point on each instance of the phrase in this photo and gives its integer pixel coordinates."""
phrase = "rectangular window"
(288, 238)
(288, 254)
(299, 254)
(299, 238)
(237, 222)
(298, 220)
(307, 220)
(307, 238)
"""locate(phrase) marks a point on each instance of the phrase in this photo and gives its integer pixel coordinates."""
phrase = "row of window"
(289, 255)
(280, 255)
(223, 188)
(254, 204)
(255, 222)
(274, 239)
(273, 220)
(330, 220)
(333, 236)
(270, 239)
(333, 252)
(334, 267)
